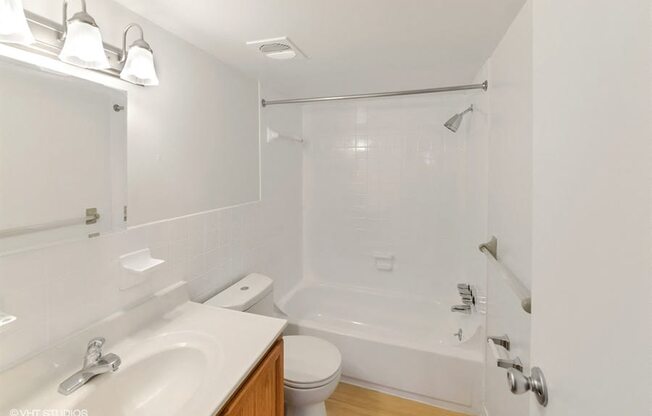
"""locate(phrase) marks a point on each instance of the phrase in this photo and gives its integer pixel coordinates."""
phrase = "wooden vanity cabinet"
(261, 394)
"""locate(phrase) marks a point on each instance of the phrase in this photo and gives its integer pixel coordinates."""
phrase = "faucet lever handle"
(93, 351)
(96, 343)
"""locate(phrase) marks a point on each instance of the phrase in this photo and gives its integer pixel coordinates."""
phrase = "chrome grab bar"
(92, 216)
(490, 249)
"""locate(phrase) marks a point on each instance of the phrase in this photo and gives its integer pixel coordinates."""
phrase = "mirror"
(63, 157)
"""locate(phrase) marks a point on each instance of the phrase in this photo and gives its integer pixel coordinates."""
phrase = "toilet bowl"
(312, 370)
(312, 366)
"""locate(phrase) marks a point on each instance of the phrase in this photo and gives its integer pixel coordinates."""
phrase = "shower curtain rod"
(482, 86)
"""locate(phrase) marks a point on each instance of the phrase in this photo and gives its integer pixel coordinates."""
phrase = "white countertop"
(183, 360)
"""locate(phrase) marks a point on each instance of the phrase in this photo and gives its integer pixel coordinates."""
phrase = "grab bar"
(92, 216)
(490, 249)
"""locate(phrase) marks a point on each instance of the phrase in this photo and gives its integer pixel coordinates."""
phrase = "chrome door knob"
(519, 383)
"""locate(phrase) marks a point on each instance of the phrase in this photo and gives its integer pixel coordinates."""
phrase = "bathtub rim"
(472, 349)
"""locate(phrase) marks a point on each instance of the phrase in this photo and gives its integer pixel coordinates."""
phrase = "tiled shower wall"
(393, 201)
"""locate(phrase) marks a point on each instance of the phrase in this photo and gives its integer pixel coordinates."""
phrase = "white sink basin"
(180, 361)
(160, 384)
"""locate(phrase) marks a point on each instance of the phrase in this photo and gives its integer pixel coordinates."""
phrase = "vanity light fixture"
(82, 40)
(138, 60)
(13, 24)
(78, 41)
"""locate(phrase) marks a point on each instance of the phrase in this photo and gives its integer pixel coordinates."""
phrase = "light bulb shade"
(13, 24)
(139, 67)
(83, 46)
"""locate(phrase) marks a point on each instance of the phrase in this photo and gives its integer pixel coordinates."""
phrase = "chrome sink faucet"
(94, 364)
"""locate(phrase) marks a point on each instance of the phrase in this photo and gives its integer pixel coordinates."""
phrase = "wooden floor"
(349, 400)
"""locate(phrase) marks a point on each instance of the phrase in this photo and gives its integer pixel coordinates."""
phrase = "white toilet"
(312, 366)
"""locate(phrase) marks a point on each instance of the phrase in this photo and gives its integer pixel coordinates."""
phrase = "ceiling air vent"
(277, 48)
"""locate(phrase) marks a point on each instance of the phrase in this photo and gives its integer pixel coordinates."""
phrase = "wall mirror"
(63, 157)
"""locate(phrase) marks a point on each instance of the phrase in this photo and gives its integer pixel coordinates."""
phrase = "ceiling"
(353, 46)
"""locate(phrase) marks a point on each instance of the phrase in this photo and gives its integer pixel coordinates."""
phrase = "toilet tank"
(254, 294)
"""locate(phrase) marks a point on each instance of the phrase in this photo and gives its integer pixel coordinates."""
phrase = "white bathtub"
(394, 343)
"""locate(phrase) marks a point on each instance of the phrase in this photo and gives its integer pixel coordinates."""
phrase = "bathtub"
(395, 344)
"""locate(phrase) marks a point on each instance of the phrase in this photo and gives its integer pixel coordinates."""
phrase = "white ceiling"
(353, 45)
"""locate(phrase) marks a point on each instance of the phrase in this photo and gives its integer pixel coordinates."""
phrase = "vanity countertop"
(178, 358)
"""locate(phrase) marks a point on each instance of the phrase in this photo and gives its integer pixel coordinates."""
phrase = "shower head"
(454, 122)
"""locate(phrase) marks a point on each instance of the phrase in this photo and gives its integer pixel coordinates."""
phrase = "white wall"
(508, 104)
(193, 146)
(591, 285)
(386, 177)
(204, 115)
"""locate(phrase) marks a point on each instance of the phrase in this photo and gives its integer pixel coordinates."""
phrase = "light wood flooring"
(349, 400)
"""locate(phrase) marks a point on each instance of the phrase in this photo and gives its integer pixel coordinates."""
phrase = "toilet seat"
(310, 362)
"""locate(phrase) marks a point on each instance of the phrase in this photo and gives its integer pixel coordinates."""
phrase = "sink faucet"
(465, 309)
(94, 364)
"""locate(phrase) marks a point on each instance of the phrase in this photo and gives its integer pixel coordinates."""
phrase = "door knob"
(519, 383)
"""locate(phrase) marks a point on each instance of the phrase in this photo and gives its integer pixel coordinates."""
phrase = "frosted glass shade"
(139, 67)
(13, 24)
(83, 46)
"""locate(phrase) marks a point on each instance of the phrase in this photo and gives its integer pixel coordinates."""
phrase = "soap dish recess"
(140, 262)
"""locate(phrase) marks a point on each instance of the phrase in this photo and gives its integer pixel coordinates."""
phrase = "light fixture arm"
(82, 16)
(139, 42)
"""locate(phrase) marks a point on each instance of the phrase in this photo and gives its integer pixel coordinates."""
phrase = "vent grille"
(277, 48)
(274, 47)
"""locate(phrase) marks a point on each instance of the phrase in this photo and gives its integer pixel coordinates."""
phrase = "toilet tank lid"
(243, 294)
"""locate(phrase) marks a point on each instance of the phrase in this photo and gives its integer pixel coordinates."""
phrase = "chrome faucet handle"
(97, 342)
(466, 309)
(459, 334)
(94, 351)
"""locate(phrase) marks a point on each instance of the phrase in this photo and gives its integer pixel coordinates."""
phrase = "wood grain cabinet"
(262, 392)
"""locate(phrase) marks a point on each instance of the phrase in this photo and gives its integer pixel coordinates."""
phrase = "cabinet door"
(262, 393)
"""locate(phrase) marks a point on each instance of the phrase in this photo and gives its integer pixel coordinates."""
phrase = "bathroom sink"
(177, 358)
(159, 384)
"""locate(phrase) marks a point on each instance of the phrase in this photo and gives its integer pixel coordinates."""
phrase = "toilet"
(312, 366)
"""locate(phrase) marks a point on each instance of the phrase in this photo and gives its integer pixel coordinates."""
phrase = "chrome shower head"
(454, 122)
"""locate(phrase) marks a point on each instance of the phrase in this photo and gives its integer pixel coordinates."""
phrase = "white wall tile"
(59, 290)
(387, 176)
